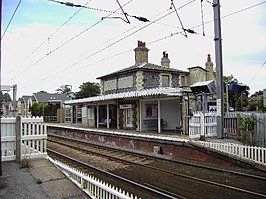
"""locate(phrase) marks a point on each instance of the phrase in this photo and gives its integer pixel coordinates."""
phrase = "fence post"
(202, 125)
(238, 121)
(18, 138)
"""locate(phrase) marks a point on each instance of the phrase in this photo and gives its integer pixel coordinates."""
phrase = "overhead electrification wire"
(66, 42)
(48, 39)
(186, 4)
(257, 72)
(125, 14)
(202, 18)
(98, 61)
(11, 19)
(94, 49)
(145, 26)
(70, 4)
(173, 6)
(166, 37)
(230, 14)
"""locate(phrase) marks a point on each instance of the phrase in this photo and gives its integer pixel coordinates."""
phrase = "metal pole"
(227, 97)
(61, 111)
(15, 100)
(0, 86)
(219, 68)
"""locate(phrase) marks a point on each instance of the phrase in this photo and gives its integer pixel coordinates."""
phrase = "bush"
(248, 126)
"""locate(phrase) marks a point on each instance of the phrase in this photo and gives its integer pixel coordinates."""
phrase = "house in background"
(141, 97)
(23, 105)
(54, 100)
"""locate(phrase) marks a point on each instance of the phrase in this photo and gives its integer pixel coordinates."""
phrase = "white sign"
(125, 106)
(218, 105)
(5, 88)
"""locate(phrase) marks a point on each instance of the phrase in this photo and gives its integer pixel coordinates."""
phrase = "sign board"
(125, 106)
(218, 105)
(5, 88)
(264, 97)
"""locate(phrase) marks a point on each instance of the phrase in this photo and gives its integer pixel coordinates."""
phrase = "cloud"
(243, 43)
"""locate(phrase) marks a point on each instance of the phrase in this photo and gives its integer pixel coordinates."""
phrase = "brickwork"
(175, 80)
(197, 74)
(151, 80)
(139, 80)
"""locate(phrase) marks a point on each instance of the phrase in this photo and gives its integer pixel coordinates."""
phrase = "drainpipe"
(159, 116)
(107, 115)
(97, 107)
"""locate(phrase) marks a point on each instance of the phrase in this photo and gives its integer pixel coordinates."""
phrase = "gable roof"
(46, 97)
(25, 98)
(143, 66)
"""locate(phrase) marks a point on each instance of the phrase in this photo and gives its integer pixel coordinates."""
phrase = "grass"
(227, 177)
(39, 181)
(3, 183)
(24, 163)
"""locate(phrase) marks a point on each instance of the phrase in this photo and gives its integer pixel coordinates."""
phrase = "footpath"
(41, 180)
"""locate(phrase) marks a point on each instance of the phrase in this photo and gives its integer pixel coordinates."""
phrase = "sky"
(48, 44)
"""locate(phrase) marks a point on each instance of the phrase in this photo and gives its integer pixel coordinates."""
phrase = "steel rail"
(173, 161)
(167, 195)
(173, 173)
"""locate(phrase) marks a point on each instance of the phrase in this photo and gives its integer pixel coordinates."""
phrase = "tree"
(65, 89)
(88, 89)
(39, 109)
(5, 97)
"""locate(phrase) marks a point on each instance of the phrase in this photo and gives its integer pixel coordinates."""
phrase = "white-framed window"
(183, 81)
(129, 117)
(165, 80)
(91, 113)
(84, 111)
(67, 114)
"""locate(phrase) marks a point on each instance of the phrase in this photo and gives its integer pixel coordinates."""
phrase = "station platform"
(42, 180)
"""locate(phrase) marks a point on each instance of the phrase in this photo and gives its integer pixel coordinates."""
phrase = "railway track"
(146, 191)
(175, 177)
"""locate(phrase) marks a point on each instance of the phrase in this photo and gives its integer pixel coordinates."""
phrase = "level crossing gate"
(23, 137)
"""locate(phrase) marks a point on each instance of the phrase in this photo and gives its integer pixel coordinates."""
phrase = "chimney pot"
(209, 58)
(141, 44)
(165, 62)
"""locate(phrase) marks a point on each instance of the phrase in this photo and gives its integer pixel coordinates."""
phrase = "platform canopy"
(130, 94)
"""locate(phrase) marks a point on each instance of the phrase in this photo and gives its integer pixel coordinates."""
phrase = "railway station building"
(142, 97)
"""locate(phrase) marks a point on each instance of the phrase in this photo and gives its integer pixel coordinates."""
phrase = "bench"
(104, 122)
(154, 122)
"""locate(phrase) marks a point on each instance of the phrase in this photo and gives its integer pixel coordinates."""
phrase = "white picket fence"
(95, 188)
(203, 124)
(8, 138)
(23, 138)
(255, 154)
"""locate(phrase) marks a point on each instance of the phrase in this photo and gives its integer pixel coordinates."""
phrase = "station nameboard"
(5, 88)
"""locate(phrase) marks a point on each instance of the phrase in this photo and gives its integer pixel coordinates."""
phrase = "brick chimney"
(165, 61)
(141, 53)
(209, 68)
